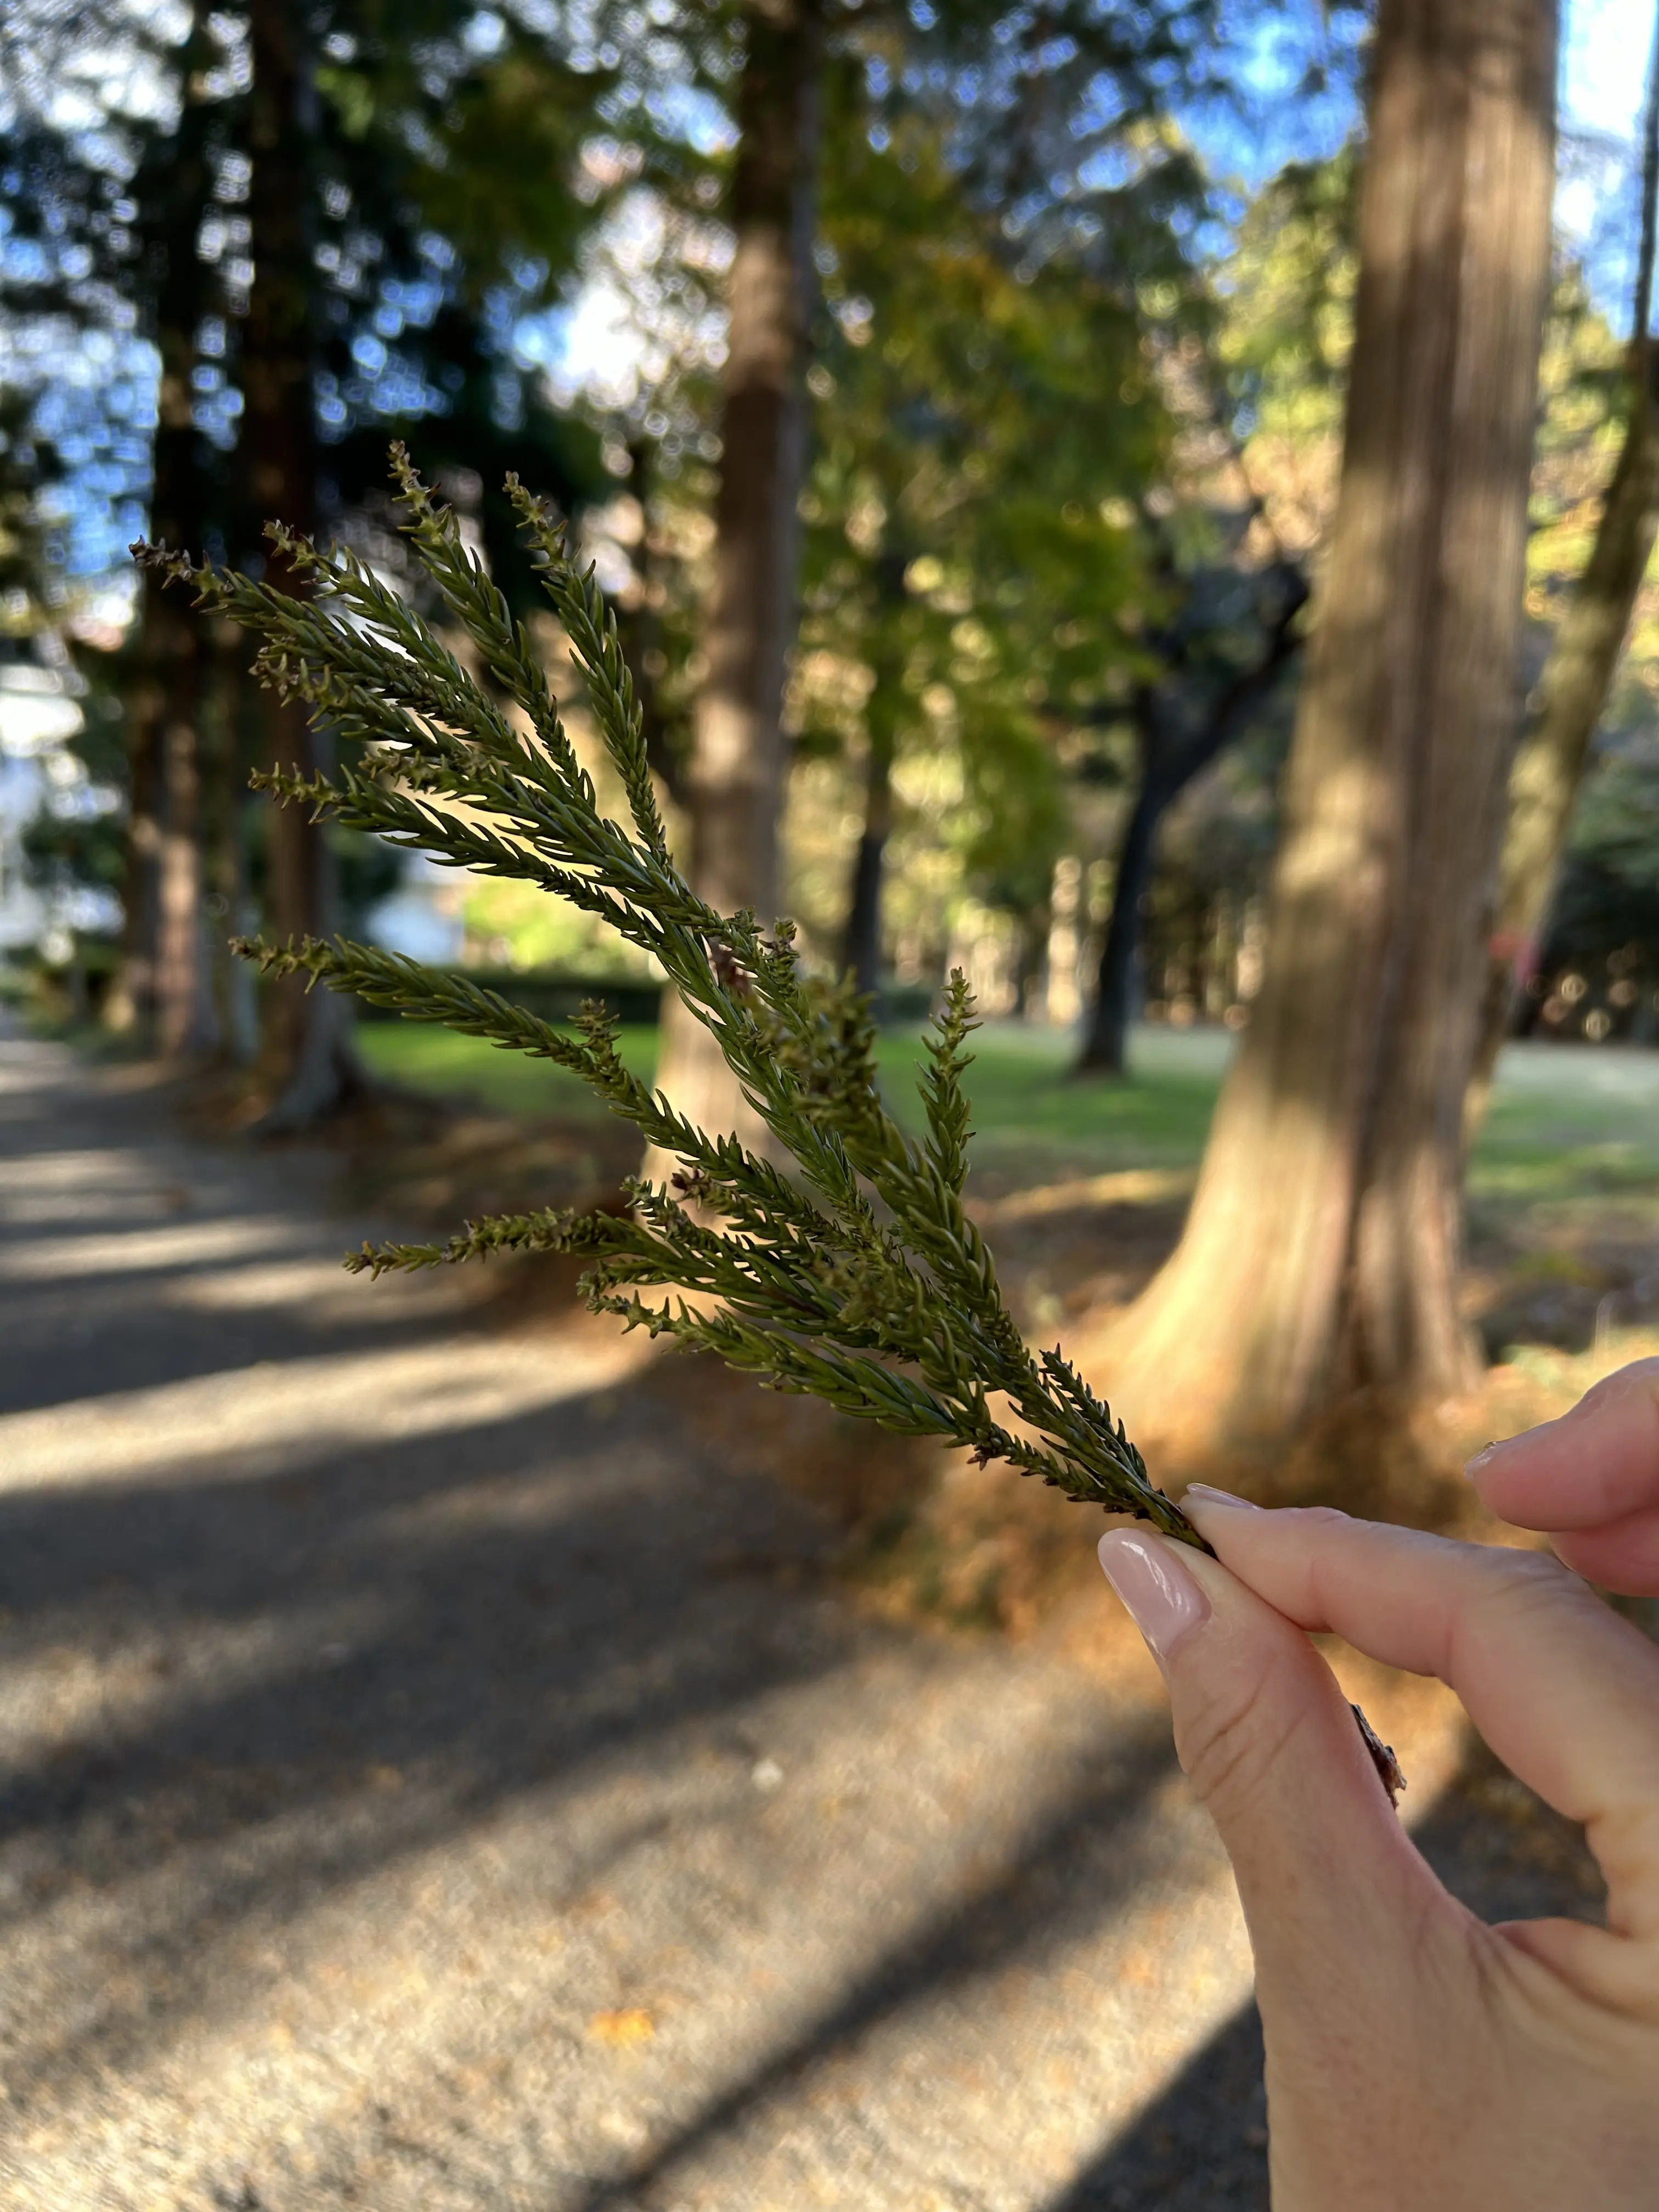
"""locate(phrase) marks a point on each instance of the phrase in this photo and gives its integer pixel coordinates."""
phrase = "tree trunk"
(1169, 763)
(639, 629)
(862, 950)
(163, 988)
(1550, 760)
(1105, 1046)
(132, 1006)
(1324, 1242)
(861, 936)
(183, 1003)
(1029, 959)
(227, 804)
(883, 714)
(733, 781)
(310, 1066)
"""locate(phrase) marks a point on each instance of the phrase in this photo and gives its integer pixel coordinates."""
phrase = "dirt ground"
(442, 1766)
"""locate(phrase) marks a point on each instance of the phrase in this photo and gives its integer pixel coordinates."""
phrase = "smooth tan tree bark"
(1572, 691)
(733, 784)
(1324, 1242)
(308, 1063)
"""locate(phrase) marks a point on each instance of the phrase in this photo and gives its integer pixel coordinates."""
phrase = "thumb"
(1325, 1874)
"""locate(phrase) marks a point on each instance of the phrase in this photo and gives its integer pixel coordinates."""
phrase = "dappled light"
(783, 784)
(349, 1684)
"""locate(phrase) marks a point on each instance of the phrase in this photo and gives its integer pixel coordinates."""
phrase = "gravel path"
(426, 1779)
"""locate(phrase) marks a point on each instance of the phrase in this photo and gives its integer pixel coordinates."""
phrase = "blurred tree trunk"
(639, 628)
(1170, 757)
(309, 1064)
(163, 988)
(1106, 1041)
(1573, 692)
(1324, 1242)
(861, 951)
(185, 1023)
(1029, 954)
(732, 785)
(861, 939)
(228, 804)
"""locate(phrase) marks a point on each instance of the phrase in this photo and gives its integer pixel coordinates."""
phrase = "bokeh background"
(452, 1755)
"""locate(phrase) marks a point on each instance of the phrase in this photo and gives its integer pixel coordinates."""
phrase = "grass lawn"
(1034, 1121)
(1564, 1187)
(425, 1058)
(1567, 1124)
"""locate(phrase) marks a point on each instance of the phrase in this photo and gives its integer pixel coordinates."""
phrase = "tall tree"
(732, 780)
(1324, 1240)
(1262, 408)
(1019, 98)
(104, 207)
(309, 1063)
(1572, 691)
(396, 170)
(975, 586)
(165, 984)
(883, 719)
(1213, 688)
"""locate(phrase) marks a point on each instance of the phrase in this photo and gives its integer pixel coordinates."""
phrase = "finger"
(1362, 1962)
(1598, 1463)
(1622, 1556)
(1566, 1693)
(1325, 1874)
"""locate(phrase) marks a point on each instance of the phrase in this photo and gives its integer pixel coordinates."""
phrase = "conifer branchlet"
(858, 1277)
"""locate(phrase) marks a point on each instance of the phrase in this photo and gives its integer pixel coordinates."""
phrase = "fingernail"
(1206, 1496)
(1485, 1455)
(1163, 1600)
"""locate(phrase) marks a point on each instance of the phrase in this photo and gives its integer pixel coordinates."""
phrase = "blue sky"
(1271, 118)
(1604, 70)
(1605, 62)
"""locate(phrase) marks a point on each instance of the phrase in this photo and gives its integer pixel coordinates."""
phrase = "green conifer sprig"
(858, 1277)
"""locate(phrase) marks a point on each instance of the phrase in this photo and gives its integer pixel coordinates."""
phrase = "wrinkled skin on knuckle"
(1529, 1585)
(1229, 1737)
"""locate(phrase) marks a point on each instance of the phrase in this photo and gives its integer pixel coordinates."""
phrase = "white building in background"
(40, 692)
(23, 918)
(39, 713)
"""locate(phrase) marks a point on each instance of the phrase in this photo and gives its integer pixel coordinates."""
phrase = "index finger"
(1566, 1692)
(1597, 1464)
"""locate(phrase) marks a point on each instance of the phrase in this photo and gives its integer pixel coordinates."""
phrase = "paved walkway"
(405, 1801)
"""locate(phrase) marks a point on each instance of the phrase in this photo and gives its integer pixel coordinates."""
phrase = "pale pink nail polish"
(1163, 1600)
(1207, 1495)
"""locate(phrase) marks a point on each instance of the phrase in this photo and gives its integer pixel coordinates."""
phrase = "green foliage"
(858, 1277)
(1598, 965)
(1289, 287)
(974, 579)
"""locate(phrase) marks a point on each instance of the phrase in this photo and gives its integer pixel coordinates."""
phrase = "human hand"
(1418, 2060)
